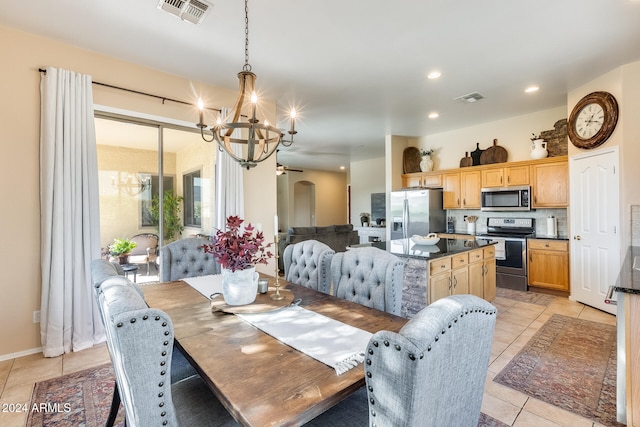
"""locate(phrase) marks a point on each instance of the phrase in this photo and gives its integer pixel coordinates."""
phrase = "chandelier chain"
(246, 67)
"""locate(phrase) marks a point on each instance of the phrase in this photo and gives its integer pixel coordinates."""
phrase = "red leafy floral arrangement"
(238, 248)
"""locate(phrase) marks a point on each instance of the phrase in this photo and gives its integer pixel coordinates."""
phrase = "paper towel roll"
(552, 227)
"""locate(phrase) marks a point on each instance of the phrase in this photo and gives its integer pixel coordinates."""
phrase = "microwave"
(506, 198)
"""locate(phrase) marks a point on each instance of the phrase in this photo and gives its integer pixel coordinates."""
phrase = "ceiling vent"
(192, 11)
(470, 97)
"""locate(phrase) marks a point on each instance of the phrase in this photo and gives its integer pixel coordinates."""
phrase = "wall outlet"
(36, 316)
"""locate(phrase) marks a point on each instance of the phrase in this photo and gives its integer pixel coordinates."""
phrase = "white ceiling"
(357, 69)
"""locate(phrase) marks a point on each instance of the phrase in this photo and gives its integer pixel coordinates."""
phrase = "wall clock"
(593, 120)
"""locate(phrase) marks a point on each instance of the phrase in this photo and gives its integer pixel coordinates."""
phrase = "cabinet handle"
(530, 257)
(458, 202)
(546, 245)
(535, 199)
(449, 283)
(500, 180)
(509, 179)
(455, 282)
(442, 266)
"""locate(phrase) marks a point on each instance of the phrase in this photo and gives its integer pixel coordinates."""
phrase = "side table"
(130, 268)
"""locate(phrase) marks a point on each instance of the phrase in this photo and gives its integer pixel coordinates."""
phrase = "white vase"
(426, 164)
(539, 149)
(239, 287)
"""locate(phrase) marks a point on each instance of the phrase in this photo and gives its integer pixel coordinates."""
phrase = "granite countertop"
(445, 247)
(629, 277)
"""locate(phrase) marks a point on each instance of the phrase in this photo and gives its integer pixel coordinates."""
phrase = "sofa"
(337, 237)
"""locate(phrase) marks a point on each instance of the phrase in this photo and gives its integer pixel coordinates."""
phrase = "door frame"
(572, 218)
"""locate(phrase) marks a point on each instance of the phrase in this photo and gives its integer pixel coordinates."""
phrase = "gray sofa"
(337, 237)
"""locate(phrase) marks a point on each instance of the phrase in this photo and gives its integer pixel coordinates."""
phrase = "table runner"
(206, 285)
(329, 341)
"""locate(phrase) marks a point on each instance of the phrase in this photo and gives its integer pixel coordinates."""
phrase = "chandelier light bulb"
(201, 109)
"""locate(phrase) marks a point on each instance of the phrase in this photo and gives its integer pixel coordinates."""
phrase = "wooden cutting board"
(475, 155)
(494, 154)
(466, 161)
(411, 160)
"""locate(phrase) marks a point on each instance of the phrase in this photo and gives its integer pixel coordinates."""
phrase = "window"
(191, 184)
(148, 194)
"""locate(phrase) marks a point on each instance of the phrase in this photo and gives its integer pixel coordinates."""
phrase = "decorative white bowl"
(431, 239)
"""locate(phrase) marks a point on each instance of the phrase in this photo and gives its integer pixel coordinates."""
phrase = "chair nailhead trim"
(370, 351)
(160, 394)
(368, 374)
(368, 361)
(163, 363)
(375, 343)
(161, 404)
(133, 320)
(157, 317)
(166, 332)
(164, 423)
(397, 347)
(119, 325)
(412, 356)
(164, 353)
(163, 372)
(145, 317)
(161, 384)
(386, 343)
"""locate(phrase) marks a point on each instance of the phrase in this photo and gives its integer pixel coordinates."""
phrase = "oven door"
(511, 257)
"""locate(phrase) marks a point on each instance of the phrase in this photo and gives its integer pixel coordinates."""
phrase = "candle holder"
(277, 296)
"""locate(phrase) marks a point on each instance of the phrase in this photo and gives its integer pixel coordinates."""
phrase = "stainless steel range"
(510, 235)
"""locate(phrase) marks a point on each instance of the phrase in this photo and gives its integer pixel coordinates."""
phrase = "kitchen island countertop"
(445, 247)
(629, 277)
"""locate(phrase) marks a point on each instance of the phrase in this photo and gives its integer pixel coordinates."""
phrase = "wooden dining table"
(260, 380)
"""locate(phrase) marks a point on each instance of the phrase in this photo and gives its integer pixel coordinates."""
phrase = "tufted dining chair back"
(186, 258)
(432, 373)
(369, 276)
(308, 263)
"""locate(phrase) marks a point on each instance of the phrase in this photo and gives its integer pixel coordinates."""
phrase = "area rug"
(79, 399)
(525, 296)
(84, 399)
(569, 363)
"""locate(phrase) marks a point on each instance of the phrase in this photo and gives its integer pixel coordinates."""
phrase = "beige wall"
(512, 134)
(19, 167)
(330, 192)
(366, 178)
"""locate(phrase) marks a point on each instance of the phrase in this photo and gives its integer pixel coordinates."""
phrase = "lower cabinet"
(472, 272)
(548, 264)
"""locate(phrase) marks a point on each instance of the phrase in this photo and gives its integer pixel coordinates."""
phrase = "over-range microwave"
(506, 198)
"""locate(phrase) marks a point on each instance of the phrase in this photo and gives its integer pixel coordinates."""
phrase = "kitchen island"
(452, 266)
(627, 288)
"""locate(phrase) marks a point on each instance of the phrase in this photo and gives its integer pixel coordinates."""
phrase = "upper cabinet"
(549, 180)
(505, 176)
(550, 185)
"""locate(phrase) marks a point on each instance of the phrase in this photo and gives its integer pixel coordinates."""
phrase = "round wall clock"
(593, 120)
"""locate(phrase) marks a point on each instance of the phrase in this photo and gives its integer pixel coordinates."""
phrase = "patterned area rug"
(569, 363)
(525, 296)
(79, 399)
(84, 399)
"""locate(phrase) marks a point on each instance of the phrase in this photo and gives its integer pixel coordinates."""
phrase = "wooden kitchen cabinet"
(451, 191)
(505, 176)
(548, 264)
(550, 185)
(471, 184)
(422, 179)
(461, 190)
(482, 273)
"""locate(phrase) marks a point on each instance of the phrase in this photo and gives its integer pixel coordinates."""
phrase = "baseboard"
(4, 357)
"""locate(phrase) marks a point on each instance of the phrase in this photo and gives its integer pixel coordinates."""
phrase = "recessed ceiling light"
(532, 89)
(434, 75)
(342, 168)
(434, 115)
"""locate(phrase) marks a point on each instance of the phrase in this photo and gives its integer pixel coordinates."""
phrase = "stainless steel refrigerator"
(416, 212)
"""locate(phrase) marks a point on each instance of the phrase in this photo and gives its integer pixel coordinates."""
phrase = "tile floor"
(516, 323)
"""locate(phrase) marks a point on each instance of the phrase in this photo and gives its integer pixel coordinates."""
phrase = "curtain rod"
(163, 98)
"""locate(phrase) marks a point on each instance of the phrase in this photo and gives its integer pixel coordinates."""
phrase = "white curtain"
(69, 213)
(229, 184)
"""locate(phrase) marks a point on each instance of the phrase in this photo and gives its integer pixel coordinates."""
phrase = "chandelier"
(130, 185)
(261, 138)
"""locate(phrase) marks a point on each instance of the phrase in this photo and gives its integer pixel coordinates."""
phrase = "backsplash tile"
(539, 216)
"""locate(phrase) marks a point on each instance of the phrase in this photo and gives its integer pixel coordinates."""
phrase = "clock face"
(593, 120)
(589, 121)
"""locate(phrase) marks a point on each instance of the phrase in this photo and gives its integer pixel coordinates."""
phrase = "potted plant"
(238, 249)
(120, 249)
(171, 210)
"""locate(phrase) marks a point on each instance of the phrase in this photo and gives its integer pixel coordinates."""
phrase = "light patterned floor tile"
(34, 368)
(555, 414)
(499, 409)
(89, 358)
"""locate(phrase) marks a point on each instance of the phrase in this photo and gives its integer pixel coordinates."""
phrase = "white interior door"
(595, 225)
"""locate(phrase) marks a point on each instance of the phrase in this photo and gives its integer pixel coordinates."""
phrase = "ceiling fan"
(281, 169)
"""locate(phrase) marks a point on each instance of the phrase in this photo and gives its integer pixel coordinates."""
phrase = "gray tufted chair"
(308, 263)
(185, 258)
(430, 374)
(369, 276)
(140, 342)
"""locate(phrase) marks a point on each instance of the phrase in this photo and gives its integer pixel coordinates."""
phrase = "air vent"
(470, 97)
(192, 11)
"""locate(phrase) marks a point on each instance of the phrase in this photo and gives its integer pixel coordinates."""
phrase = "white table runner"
(206, 285)
(329, 341)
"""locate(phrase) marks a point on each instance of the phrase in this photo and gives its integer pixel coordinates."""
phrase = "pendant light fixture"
(261, 138)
